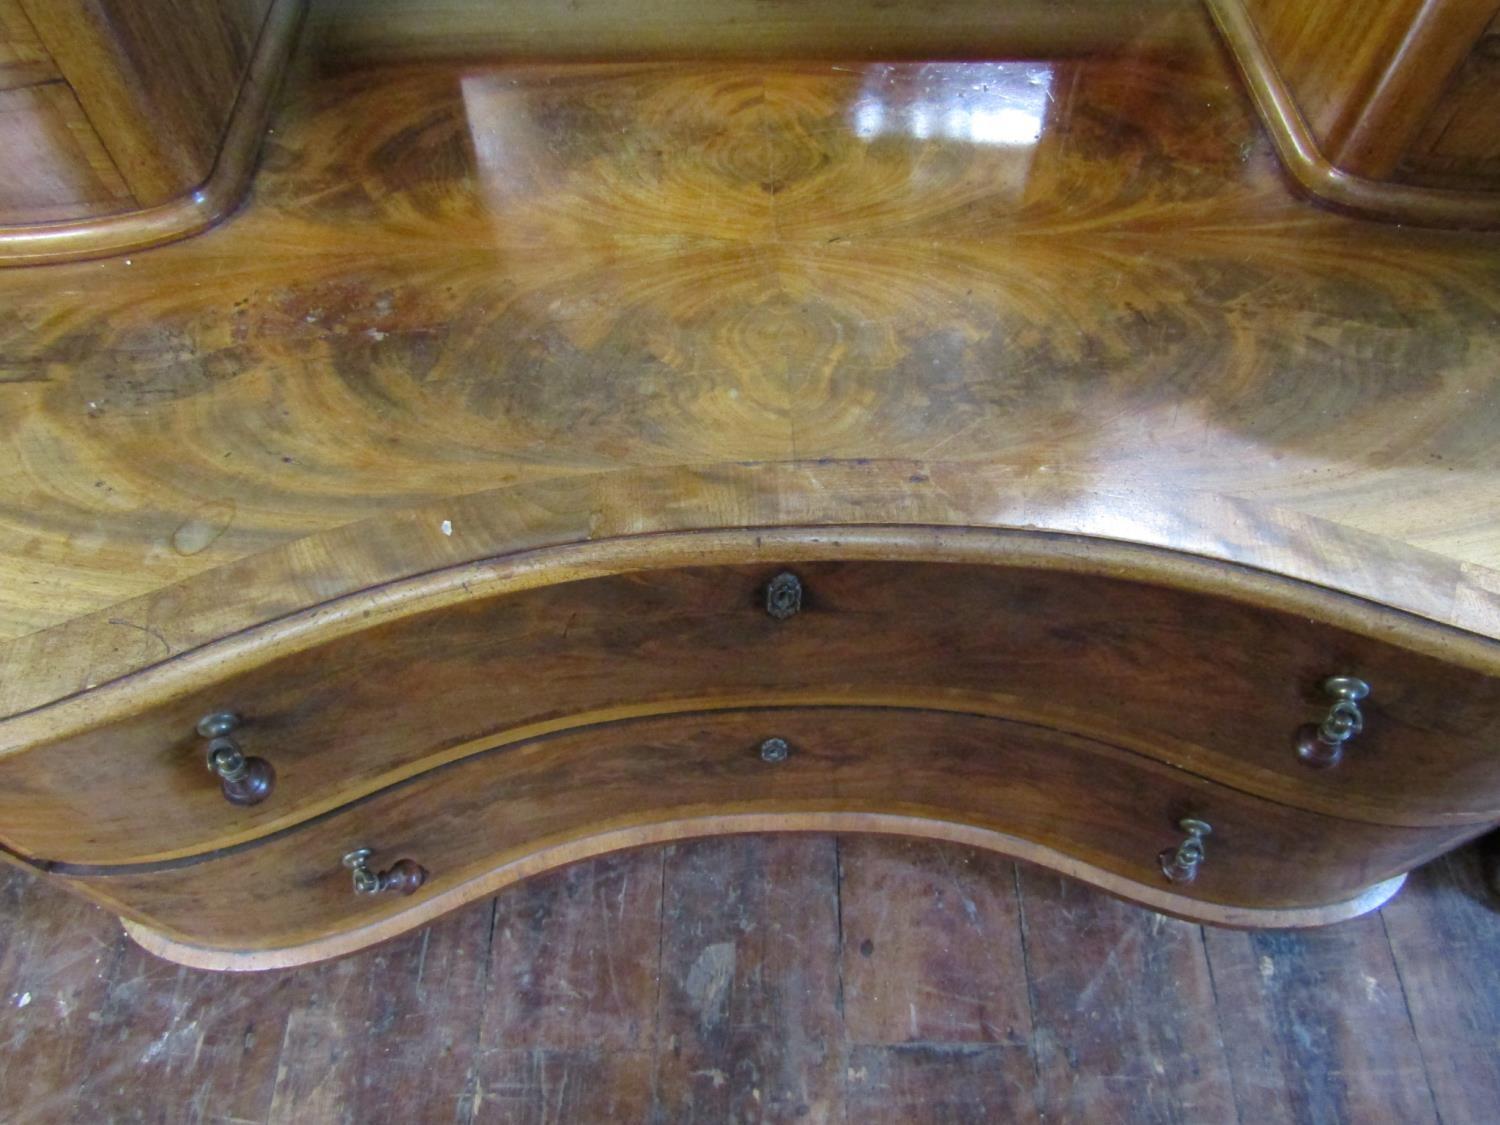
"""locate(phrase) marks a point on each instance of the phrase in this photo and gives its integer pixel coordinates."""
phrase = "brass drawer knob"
(1180, 864)
(784, 596)
(1321, 745)
(244, 780)
(402, 877)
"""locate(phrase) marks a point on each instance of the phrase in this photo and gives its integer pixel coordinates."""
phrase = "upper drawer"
(1210, 684)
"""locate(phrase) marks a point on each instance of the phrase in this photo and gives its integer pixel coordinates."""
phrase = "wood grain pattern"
(593, 30)
(1398, 199)
(1125, 662)
(204, 202)
(1460, 144)
(158, 82)
(63, 964)
(23, 59)
(1085, 958)
(1189, 412)
(520, 326)
(54, 166)
(1367, 75)
(288, 899)
(1358, 1062)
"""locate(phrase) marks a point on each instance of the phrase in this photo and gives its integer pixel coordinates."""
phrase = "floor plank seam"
(838, 906)
(1385, 928)
(661, 944)
(1038, 1093)
(474, 1094)
(1213, 990)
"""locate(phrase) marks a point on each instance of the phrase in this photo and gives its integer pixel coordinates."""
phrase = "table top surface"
(471, 306)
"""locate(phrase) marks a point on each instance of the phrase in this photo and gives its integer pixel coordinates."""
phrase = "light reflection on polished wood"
(1079, 293)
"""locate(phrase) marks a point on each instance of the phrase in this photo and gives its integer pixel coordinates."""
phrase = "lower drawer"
(1093, 810)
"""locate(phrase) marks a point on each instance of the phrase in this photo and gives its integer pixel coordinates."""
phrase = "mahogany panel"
(389, 30)
(23, 59)
(1366, 74)
(158, 81)
(1113, 812)
(53, 165)
(1459, 147)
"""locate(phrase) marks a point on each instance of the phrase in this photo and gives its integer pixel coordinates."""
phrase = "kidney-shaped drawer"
(459, 831)
(1233, 691)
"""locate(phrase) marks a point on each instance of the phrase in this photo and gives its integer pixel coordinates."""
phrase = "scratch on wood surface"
(149, 630)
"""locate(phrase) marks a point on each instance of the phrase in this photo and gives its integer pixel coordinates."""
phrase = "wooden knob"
(402, 877)
(243, 779)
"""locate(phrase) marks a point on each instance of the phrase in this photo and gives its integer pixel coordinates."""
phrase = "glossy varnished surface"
(1076, 806)
(694, 30)
(158, 81)
(1367, 75)
(1079, 291)
(1205, 684)
(178, 102)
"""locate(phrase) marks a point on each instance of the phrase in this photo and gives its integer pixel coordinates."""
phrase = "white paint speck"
(446, 527)
(23, 999)
(128, 262)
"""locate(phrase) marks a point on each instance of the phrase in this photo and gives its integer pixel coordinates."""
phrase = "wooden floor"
(782, 978)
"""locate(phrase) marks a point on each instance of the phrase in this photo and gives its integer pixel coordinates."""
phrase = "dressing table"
(424, 471)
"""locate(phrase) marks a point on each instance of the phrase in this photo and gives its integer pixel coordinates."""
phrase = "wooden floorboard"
(790, 978)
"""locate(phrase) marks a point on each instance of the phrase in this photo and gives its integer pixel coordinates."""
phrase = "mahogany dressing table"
(547, 458)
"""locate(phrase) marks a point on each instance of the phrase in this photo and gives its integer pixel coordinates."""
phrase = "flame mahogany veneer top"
(472, 310)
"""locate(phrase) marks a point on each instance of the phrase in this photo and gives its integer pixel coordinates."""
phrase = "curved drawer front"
(1213, 685)
(1113, 811)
